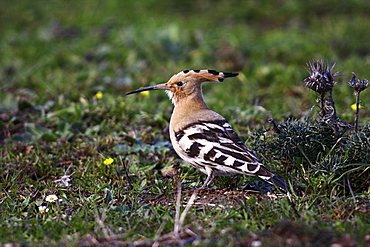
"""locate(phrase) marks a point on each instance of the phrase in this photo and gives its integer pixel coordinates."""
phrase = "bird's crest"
(202, 75)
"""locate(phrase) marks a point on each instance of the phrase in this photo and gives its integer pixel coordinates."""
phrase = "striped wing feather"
(216, 145)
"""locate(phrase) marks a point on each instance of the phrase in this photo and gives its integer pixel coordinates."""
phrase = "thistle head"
(321, 78)
(357, 84)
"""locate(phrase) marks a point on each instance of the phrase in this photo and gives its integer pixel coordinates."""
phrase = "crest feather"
(204, 75)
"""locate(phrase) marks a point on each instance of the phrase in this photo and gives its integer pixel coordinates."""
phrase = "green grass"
(55, 57)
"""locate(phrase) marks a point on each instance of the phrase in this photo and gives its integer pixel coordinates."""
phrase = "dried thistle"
(358, 85)
(321, 78)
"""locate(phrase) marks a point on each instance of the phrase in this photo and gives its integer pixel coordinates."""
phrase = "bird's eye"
(179, 83)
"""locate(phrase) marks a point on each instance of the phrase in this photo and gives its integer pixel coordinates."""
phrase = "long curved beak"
(155, 87)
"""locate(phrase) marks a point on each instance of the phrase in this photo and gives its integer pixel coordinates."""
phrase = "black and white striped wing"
(215, 145)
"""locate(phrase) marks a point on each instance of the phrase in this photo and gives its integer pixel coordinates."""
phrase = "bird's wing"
(216, 145)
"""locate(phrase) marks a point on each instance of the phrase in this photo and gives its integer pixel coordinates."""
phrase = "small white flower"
(51, 198)
(43, 209)
(256, 243)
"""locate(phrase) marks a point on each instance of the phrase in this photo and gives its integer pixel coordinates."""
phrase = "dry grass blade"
(188, 206)
(178, 206)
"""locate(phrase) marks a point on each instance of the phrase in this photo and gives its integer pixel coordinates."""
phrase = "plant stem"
(357, 109)
(322, 104)
(332, 104)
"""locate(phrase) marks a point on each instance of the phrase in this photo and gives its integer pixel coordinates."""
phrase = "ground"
(68, 131)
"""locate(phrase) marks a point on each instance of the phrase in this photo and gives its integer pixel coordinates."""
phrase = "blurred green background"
(74, 48)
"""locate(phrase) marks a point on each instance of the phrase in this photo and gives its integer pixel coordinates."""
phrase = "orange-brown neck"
(190, 99)
(187, 110)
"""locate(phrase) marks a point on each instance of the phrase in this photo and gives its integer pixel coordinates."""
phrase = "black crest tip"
(213, 72)
(230, 74)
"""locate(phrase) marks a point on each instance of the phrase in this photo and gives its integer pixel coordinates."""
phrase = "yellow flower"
(99, 95)
(263, 71)
(108, 161)
(51, 198)
(43, 209)
(145, 93)
(353, 106)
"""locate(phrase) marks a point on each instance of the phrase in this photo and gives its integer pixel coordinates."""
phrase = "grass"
(56, 57)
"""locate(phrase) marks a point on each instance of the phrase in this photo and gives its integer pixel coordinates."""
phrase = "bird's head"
(187, 83)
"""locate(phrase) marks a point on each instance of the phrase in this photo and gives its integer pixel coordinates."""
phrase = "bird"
(202, 137)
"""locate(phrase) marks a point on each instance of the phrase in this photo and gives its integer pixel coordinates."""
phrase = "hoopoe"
(202, 137)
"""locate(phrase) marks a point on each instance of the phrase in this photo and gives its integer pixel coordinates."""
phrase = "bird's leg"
(209, 179)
